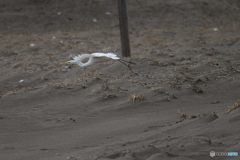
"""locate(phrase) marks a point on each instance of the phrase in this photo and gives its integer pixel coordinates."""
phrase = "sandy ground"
(172, 107)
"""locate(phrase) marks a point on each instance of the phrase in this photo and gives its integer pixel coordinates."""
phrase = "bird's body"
(96, 58)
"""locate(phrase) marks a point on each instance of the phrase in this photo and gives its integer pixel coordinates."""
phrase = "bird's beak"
(63, 63)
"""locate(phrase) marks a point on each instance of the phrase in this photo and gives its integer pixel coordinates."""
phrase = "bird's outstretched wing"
(82, 57)
(108, 55)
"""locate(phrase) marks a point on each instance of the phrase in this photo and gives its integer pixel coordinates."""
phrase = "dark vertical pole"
(123, 21)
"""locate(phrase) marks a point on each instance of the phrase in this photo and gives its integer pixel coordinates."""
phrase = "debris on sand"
(235, 106)
(136, 97)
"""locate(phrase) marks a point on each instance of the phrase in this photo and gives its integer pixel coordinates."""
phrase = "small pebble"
(108, 13)
(69, 157)
(32, 45)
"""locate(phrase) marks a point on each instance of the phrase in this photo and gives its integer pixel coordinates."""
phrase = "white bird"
(97, 58)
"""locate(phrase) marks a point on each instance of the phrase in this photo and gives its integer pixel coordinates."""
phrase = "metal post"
(123, 21)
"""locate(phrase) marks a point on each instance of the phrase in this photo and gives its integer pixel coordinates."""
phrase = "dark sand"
(187, 71)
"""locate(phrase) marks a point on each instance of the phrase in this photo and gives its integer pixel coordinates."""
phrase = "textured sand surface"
(187, 74)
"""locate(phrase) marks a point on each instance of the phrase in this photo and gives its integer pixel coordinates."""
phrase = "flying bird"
(95, 58)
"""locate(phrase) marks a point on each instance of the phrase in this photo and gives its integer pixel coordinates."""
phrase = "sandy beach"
(180, 102)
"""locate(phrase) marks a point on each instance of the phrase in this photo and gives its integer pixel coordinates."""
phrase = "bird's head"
(68, 62)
